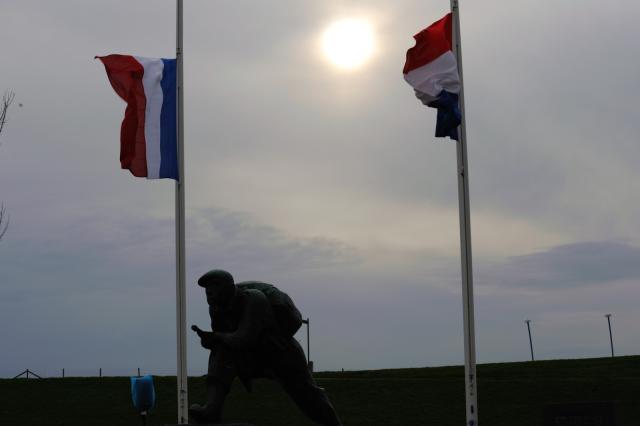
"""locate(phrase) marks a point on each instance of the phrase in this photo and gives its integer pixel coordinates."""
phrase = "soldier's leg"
(220, 375)
(292, 372)
(311, 399)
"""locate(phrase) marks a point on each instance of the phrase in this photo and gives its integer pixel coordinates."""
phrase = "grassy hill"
(513, 394)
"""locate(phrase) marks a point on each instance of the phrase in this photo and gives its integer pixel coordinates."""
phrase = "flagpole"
(181, 304)
(471, 395)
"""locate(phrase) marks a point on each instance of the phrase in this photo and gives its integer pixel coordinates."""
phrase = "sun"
(349, 43)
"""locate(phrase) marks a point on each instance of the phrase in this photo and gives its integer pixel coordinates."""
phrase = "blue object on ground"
(143, 393)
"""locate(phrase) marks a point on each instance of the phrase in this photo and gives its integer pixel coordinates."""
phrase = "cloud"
(327, 184)
(88, 246)
(573, 265)
(103, 283)
(237, 241)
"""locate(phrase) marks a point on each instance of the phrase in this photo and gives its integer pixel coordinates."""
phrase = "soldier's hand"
(206, 340)
(206, 337)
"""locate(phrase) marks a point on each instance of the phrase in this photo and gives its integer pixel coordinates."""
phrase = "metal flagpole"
(181, 304)
(465, 241)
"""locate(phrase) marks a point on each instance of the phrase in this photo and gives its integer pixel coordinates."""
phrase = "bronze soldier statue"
(253, 324)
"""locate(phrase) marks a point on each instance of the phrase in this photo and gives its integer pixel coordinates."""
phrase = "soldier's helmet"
(222, 284)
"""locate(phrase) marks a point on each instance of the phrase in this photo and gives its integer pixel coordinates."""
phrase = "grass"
(513, 394)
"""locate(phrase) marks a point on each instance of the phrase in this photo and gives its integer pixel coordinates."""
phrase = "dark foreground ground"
(513, 394)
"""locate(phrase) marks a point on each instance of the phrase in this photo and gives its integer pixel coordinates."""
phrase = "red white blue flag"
(432, 70)
(148, 136)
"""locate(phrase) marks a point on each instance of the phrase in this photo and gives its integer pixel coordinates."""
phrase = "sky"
(325, 182)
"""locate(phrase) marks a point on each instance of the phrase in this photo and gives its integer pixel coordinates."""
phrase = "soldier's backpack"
(287, 315)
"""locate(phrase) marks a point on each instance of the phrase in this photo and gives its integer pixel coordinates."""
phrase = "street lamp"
(309, 362)
(610, 334)
(528, 321)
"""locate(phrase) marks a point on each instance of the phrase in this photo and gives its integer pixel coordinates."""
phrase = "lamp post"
(610, 334)
(528, 321)
(309, 362)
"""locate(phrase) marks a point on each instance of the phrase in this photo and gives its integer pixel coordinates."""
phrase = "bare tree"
(7, 99)
(4, 223)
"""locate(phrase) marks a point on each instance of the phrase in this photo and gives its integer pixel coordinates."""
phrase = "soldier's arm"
(255, 318)
(206, 337)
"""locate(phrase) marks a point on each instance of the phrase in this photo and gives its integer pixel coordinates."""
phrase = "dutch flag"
(431, 68)
(148, 136)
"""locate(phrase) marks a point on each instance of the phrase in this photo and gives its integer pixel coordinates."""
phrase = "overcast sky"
(327, 183)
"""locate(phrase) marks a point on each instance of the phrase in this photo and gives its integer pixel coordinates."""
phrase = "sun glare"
(348, 43)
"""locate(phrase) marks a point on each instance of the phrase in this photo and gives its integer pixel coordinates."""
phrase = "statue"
(253, 324)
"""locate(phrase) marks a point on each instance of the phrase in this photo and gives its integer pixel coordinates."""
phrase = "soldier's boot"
(211, 412)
